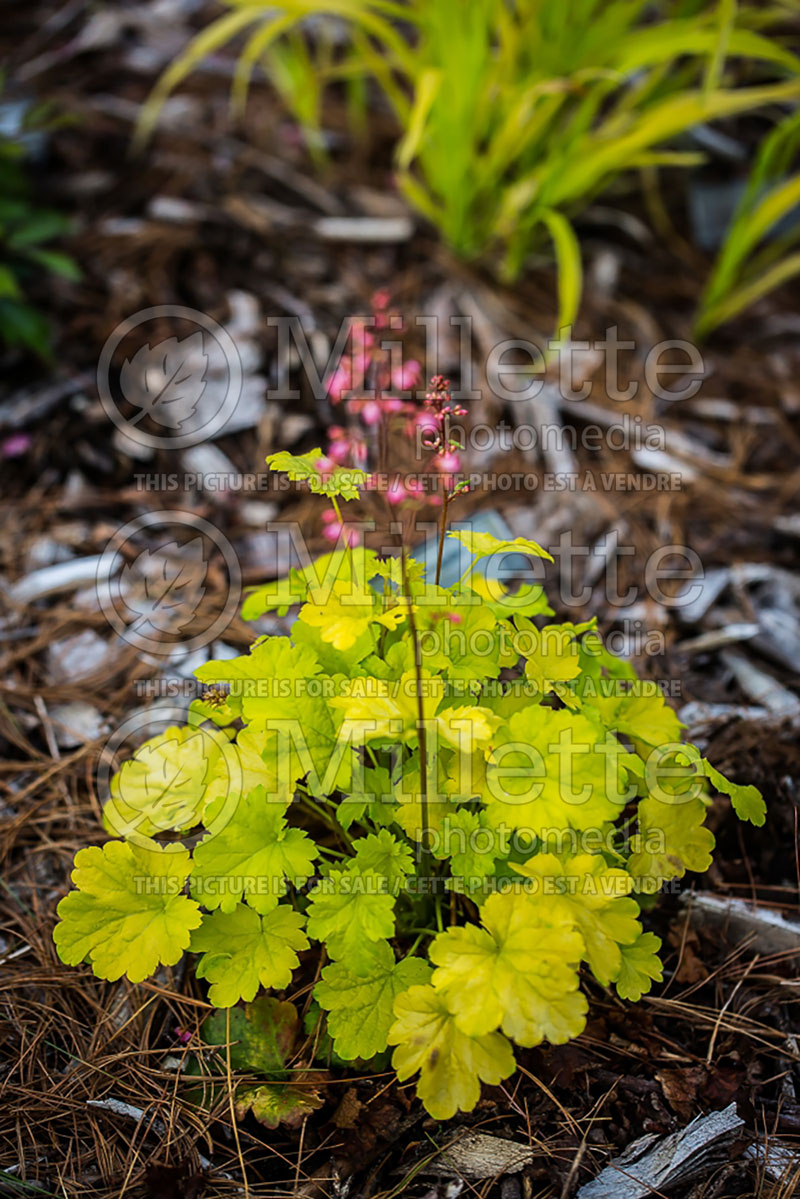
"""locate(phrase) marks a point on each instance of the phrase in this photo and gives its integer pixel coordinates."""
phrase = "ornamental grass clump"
(454, 804)
(512, 119)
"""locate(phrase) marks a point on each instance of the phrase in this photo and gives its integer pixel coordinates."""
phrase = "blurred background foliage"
(511, 118)
(27, 229)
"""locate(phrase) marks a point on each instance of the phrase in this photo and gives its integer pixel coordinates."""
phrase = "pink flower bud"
(396, 492)
(392, 404)
(407, 376)
(334, 530)
(371, 413)
(340, 382)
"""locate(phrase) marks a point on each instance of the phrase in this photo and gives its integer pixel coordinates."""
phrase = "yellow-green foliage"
(459, 844)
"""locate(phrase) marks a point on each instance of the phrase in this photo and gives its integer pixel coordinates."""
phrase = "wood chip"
(364, 228)
(765, 930)
(760, 686)
(655, 1164)
(477, 1155)
(64, 576)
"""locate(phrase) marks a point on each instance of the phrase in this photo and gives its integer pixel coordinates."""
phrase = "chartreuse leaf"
(322, 477)
(242, 951)
(552, 656)
(519, 972)
(472, 846)
(376, 798)
(409, 812)
(388, 707)
(381, 708)
(254, 855)
(466, 728)
(128, 915)
(747, 801)
(381, 853)
(278, 596)
(264, 760)
(346, 615)
(462, 639)
(550, 770)
(639, 711)
(671, 839)
(165, 785)
(451, 1063)
(360, 1003)
(349, 909)
(282, 698)
(529, 599)
(312, 581)
(641, 967)
(593, 897)
(268, 680)
(484, 545)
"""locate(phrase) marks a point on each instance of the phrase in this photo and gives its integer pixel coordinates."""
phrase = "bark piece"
(656, 1164)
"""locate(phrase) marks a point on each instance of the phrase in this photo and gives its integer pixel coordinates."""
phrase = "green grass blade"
(742, 297)
(568, 262)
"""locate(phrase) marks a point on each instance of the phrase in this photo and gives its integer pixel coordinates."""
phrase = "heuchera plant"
(456, 803)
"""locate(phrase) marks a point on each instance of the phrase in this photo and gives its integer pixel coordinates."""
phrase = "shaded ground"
(723, 1026)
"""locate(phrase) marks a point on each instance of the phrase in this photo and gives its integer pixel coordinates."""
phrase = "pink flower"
(371, 413)
(339, 450)
(16, 445)
(396, 492)
(407, 376)
(448, 461)
(329, 515)
(392, 404)
(333, 530)
(340, 381)
(362, 339)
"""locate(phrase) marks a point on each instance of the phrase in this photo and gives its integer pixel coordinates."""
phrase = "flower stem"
(346, 536)
(442, 530)
(425, 852)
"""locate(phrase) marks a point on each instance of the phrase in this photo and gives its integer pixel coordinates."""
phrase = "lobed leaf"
(128, 915)
(360, 1003)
